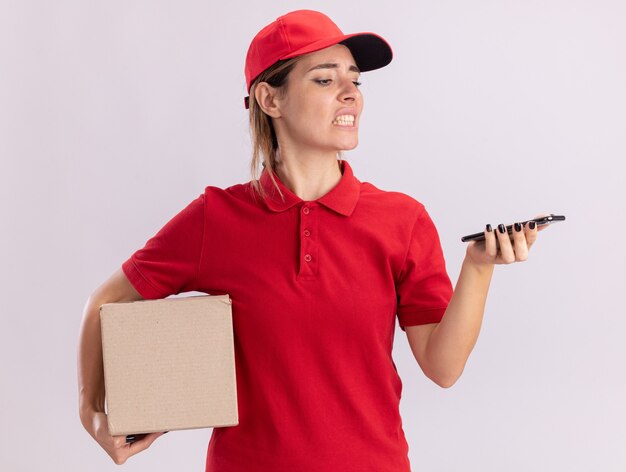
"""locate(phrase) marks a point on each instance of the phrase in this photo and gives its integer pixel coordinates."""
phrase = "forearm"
(453, 339)
(90, 370)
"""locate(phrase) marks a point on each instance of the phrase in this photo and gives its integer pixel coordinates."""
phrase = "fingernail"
(532, 225)
(501, 228)
(488, 228)
(518, 227)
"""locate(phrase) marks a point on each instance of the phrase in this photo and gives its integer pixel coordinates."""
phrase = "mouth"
(344, 120)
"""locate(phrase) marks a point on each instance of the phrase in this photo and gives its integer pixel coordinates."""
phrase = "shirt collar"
(342, 198)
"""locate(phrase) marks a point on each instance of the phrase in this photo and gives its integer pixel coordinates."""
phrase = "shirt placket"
(309, 240)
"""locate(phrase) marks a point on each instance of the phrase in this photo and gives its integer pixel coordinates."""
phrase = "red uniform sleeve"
(168, 263)
(423, 287)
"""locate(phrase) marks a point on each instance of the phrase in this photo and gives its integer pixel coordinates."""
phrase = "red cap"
(303, 31)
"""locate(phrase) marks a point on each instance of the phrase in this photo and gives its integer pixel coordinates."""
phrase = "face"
(320, 108)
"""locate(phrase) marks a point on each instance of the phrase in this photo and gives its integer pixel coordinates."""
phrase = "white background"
(114, 115)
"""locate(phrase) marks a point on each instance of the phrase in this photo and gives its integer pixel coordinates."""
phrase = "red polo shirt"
(316, 287)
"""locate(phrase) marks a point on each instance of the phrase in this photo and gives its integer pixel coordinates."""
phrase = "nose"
(349, 91)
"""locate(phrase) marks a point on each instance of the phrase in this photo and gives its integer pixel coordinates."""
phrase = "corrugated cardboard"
(169, 364)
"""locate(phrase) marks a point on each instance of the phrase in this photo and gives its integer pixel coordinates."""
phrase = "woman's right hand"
(116, 446)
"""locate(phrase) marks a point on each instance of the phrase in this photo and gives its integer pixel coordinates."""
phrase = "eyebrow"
(332, 65)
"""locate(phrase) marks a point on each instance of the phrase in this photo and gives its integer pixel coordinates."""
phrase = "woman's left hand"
(487, 252)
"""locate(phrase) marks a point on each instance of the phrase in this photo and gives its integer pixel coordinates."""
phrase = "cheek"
(311, 112)
(315, 118)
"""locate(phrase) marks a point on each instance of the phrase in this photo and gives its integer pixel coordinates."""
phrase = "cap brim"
(369, 50)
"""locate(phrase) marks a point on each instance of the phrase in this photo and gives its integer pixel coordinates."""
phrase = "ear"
(266, 97)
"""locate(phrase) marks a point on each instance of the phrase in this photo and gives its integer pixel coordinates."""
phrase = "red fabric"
(316, 286)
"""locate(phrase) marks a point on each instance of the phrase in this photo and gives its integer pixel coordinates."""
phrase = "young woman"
(318, 265)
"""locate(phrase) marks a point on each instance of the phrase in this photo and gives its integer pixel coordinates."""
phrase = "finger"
(542, 215)
(507, 255)
(120, 450)
(491, 249)
(143, 443)
(118, 441)
(530, 231)
(520, 245)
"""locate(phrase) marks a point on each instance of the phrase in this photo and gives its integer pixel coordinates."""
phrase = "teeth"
(344, 120)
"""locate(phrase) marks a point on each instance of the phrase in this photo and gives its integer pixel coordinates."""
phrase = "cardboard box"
(169, 364)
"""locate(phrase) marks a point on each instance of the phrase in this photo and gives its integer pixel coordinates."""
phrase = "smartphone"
(131, 438)
(544, 220)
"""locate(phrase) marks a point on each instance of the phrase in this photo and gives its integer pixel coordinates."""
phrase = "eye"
(326, 82)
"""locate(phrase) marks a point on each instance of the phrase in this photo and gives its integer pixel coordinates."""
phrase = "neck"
(309, 176)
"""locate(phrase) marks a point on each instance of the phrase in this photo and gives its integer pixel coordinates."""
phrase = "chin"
(348, 146)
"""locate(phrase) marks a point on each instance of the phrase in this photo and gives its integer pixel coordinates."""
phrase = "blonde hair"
(262, 133)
